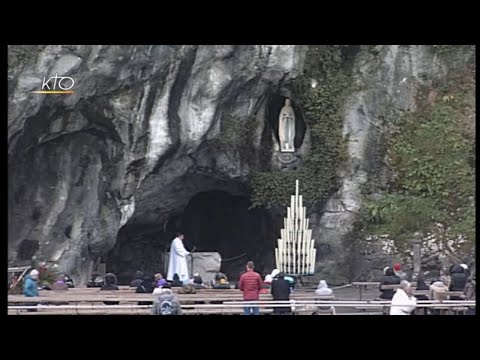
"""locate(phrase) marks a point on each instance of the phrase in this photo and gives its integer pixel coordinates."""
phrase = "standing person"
(458, 280)
(250, 284)
(177, 263)
(466, 270)
(281, 292)
(30, 287)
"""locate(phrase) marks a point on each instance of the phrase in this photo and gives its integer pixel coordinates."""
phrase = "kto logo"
(57, 85)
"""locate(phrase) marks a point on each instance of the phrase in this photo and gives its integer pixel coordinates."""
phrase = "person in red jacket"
(250, 284)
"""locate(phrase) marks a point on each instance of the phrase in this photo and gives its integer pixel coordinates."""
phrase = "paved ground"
(351, 293)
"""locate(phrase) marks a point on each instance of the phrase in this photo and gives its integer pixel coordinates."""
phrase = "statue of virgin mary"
(286, 127)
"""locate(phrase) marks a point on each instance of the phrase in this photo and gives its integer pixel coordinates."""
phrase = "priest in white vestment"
(177, 263)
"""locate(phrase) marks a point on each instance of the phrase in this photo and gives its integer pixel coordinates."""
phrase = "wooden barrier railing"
(312, 305)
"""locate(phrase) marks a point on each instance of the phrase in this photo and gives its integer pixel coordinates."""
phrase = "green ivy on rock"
(433, 155)
(323, 107)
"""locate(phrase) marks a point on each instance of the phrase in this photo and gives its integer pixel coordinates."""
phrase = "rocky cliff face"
(389, 77)
(149, 127)
(131, 143)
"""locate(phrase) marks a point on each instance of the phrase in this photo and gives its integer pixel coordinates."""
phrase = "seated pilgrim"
(145, 287)
(221, 281)
(197, 281)
(323, 289)
(159, 280)
(176, 281)
(437, 288)
(187, 288)
(110, 284)
(59, 284)
(138, 279)
(95, 281)
(422, 286)
(69, 281)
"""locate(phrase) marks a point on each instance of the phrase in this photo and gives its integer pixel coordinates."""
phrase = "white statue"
(286, 128)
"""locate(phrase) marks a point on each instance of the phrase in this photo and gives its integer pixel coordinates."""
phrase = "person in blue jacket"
(30, 287)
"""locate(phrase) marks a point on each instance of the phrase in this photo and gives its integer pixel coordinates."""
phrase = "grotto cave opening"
(212, 221)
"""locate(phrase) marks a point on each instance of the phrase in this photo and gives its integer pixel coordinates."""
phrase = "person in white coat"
(403, 303)
(323, 289)
(177, 263)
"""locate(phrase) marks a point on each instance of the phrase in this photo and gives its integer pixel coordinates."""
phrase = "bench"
(365, 285)
(443, 297)
(421, 292)
(221, 311)
(235, 307)
(68, 298)
(394, 287)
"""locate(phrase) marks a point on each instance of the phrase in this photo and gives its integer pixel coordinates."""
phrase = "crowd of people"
(250, 282)
(456, 278)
